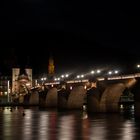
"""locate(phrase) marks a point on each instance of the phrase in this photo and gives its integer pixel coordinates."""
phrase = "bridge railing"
(120, 77)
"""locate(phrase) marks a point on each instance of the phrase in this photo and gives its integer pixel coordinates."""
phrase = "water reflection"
(7, 123)
(128, 131)
(98, 129)
(27, 126)
(68, 125)
(85, 126)
(44, 122)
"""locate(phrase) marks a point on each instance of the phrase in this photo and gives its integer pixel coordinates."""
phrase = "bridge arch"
(110, 97)
(76, 98)
(107, 100)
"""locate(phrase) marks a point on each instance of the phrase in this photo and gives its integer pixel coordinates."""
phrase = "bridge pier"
(63, 95)
(136, 91)
(137, 102)
(93, 104)
(34, 98)
(93, 99)
(42, 98)
(26, 99)
(21, 99)
(137, 109)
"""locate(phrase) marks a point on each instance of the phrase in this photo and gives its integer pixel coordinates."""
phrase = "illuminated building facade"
(21, 80)
(5, 89)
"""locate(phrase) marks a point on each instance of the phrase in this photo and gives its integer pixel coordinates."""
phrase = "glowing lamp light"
(78, 76)
(110, 72)
(85, 87)
(5, 93)
(43, 79)
(116, 71)
(138, 66)
(70, 87)
(98, 71)
(27, 84)
(92, 72)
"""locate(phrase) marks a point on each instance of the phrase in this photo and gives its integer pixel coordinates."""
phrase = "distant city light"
(58, 79)
(67, 75)
(82, 76)
(62, 76)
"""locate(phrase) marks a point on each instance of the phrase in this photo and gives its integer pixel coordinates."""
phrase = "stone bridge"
(104, 97)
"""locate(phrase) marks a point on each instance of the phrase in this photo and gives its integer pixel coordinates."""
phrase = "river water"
(41, 124)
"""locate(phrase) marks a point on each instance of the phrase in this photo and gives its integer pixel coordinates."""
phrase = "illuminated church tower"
(51, 67)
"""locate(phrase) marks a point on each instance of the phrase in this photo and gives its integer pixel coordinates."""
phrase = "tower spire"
(51, 67)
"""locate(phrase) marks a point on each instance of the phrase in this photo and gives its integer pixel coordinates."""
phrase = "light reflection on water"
(69, 125)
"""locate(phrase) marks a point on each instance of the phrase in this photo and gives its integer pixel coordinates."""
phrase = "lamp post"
(8, 96)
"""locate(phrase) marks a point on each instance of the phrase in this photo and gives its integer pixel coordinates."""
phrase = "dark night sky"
(78, 34)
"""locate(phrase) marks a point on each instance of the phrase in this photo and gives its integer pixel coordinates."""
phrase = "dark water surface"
(40, 124)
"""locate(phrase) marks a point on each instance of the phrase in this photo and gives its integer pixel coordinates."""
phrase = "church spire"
(51, 66)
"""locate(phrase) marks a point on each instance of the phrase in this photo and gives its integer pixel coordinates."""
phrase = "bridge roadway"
(104, 96)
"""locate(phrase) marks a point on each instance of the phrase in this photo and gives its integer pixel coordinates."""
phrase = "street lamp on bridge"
(138, 66)
(43, 79)
(113, 72)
